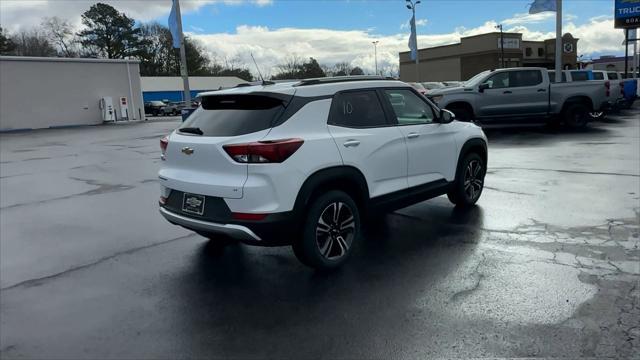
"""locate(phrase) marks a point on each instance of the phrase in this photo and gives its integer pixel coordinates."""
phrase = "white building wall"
(50, 92)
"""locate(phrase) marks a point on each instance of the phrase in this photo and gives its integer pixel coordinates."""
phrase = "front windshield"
(476, 79)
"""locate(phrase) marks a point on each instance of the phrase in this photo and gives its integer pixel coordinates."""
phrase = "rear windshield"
(233, 115)
(613, 76)
(598, 76)
(579, 76)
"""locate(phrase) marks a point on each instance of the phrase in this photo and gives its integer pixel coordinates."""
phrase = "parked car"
(432, 86)
(453, 83)
(523, 94)
(418, 86)
(260, 165)
(154, 108)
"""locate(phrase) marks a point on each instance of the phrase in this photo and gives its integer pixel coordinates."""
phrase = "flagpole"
(558, 41)
(183, 58)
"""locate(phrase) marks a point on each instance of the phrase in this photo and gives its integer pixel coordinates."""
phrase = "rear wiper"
(191, 130)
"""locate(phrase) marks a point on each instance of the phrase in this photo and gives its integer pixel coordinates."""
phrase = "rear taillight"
(164, 142)
(249, 217)
(622, 88)
(607, 85)
(263, 152)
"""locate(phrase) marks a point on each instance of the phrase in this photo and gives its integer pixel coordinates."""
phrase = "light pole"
(412, 6)
(375, 53)
(499, 27)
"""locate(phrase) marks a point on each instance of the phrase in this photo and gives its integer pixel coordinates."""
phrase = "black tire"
(576, 116)
(469, 182)
(462, 114)
(327, 240)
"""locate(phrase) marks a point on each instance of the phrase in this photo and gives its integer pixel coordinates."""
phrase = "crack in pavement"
(37, 281)
(565, 171)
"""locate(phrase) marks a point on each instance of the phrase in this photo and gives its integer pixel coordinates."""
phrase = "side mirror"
(446, 116)
(483, 87)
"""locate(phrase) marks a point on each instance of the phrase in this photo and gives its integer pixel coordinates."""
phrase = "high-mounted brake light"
(164, 142)
(263, 152)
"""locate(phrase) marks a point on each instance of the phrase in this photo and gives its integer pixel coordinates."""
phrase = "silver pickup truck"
(523, 94)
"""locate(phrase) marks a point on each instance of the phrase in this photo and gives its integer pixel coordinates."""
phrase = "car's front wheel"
(330, 230)
(469, 183)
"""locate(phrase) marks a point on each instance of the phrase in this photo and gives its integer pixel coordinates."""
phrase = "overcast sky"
(335, 31)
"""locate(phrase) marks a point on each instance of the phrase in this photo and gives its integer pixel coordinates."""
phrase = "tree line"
(108, 33)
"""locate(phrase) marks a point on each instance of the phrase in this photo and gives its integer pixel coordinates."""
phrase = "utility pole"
(558, 66)
(184, 72)
(375, 53)
(499, 26)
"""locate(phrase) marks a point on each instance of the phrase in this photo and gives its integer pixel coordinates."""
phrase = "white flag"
(413, 39)
(539, 6)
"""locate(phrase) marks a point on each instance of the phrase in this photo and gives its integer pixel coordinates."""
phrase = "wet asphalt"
(547, 264)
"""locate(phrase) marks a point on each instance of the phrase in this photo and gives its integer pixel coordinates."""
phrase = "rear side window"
(525, 78)
(579, 76)
(612, 76)
(233, 115)
(357, 109)
(552, 76)
(598, 76)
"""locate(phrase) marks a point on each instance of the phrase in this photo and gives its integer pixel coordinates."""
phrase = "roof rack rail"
(338, 79)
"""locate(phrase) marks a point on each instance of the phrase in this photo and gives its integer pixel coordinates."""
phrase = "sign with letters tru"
(627, 14)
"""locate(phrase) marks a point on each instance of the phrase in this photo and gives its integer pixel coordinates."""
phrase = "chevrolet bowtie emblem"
(187, 150)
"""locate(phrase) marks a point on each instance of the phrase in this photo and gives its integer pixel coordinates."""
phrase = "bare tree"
(33, 43)
(60, 33)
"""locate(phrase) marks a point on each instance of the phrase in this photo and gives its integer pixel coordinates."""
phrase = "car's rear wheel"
(576, 116)
(469, 183)
(330, 230)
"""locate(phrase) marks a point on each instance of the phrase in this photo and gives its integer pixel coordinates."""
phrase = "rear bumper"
(238, 232)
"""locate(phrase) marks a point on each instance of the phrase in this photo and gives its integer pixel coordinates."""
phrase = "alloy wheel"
(335, 230)
(473, 179)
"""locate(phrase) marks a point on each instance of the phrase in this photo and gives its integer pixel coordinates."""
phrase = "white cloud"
(21, 14)
(419, 22)
(271, 46)
(525, 18)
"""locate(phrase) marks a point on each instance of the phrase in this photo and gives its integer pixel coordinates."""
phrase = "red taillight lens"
(164, 142)
(251, 217)
(263, 152)
(607, 85)
(622, 87)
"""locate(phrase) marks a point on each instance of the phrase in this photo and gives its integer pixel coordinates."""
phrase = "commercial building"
(53, 92)
(612, 63)
(474, 54)
(171, 88)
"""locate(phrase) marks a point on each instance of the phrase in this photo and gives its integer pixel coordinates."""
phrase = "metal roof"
(196, 83)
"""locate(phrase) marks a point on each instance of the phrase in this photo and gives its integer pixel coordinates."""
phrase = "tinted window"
(525, 78)
(498, 81)
(598, 76)
(579, 76)
(232, 115)
(612, 76)
(409, 108)
(552, 76)
(359, 109)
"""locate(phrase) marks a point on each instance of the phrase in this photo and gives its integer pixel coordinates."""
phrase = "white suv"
(302, 163)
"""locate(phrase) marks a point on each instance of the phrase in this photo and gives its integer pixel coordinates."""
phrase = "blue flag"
(413, 39)
(539, 6)
(173, 25)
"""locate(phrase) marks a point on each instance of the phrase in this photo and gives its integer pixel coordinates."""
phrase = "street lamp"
(412, 6)
(499, 27)
(375, 53)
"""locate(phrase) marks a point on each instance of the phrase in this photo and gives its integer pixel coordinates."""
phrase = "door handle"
(542, 90)
(351, 143)
(412, 135)
(507, 92)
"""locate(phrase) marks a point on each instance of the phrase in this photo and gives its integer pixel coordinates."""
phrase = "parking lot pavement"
(546, 265)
